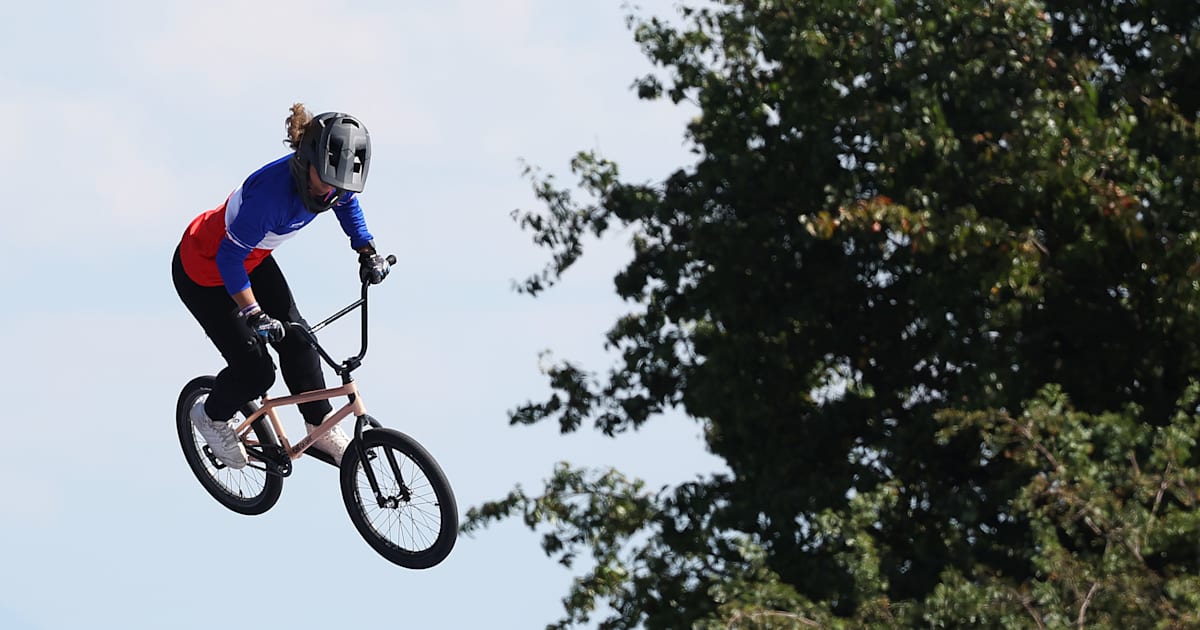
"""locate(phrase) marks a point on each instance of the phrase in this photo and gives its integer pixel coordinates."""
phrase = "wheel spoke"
(410, 516)
(249, 490)
(246, 483)
(408, 525)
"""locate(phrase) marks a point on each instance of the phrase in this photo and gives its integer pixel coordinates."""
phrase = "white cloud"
(229, 45)
(89, 169)
(454, 94)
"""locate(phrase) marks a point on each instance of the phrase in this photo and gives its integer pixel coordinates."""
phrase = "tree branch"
(1025, 602)
(1086, 601)
(739, 615)
(1027, 433)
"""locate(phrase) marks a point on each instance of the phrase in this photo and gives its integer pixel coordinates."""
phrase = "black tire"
(249, 491)
(420, 526)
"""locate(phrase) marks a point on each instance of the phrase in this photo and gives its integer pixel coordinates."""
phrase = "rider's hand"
(266, 328)
(372, 267)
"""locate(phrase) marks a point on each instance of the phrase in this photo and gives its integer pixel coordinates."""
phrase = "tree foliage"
(931, 288)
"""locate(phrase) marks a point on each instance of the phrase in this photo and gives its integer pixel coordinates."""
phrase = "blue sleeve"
(231, 262)
(350, 216)
(251, 223)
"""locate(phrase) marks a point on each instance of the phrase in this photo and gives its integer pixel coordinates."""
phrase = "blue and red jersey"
(223, 245)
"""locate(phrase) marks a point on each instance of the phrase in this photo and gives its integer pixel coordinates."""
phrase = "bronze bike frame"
(269, 405)
(348, 388)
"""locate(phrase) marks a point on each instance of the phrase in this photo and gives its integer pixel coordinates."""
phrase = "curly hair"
(296, 121)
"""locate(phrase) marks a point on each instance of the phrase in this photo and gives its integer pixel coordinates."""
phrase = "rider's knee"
(263, 376)
(256, 374)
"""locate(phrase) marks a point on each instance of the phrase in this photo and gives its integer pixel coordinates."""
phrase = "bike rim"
(411, 525)
(245, 484)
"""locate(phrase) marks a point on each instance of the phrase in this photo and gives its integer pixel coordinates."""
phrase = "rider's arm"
(244, 298)
(350, 216)
(235, 276)
(252, 221)
(231, 262)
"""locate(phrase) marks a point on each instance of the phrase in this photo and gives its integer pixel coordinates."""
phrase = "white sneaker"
(219, 435)
(334, 442)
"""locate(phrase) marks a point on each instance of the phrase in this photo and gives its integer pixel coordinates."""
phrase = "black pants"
(250, 371)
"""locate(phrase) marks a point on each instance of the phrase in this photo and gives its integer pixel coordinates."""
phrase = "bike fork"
(365, 457)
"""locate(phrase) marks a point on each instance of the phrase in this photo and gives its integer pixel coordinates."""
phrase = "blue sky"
(123, 120)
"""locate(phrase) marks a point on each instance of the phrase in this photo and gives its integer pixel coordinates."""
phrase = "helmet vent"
(335, 152)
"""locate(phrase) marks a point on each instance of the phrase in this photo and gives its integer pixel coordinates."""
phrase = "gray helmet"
(339, 147)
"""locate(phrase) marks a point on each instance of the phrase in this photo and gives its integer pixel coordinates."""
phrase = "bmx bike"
(394, 491)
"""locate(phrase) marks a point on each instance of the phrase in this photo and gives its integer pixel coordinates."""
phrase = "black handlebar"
(349, 365)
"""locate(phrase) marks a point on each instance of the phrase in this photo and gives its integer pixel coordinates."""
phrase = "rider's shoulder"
(273, 173)
(271, 183)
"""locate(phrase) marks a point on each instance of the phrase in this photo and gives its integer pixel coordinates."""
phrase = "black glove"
(372, 267)
(266, 328)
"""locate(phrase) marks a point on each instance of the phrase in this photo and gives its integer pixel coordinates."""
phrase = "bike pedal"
(212, 458)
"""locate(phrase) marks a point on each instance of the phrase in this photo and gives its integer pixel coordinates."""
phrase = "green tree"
(931, 289)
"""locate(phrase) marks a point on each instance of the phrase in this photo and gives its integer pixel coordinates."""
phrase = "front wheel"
(399, 499)
(250, 490)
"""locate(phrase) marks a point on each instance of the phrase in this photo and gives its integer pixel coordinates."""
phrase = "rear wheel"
(250, 490)
(412, 520)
